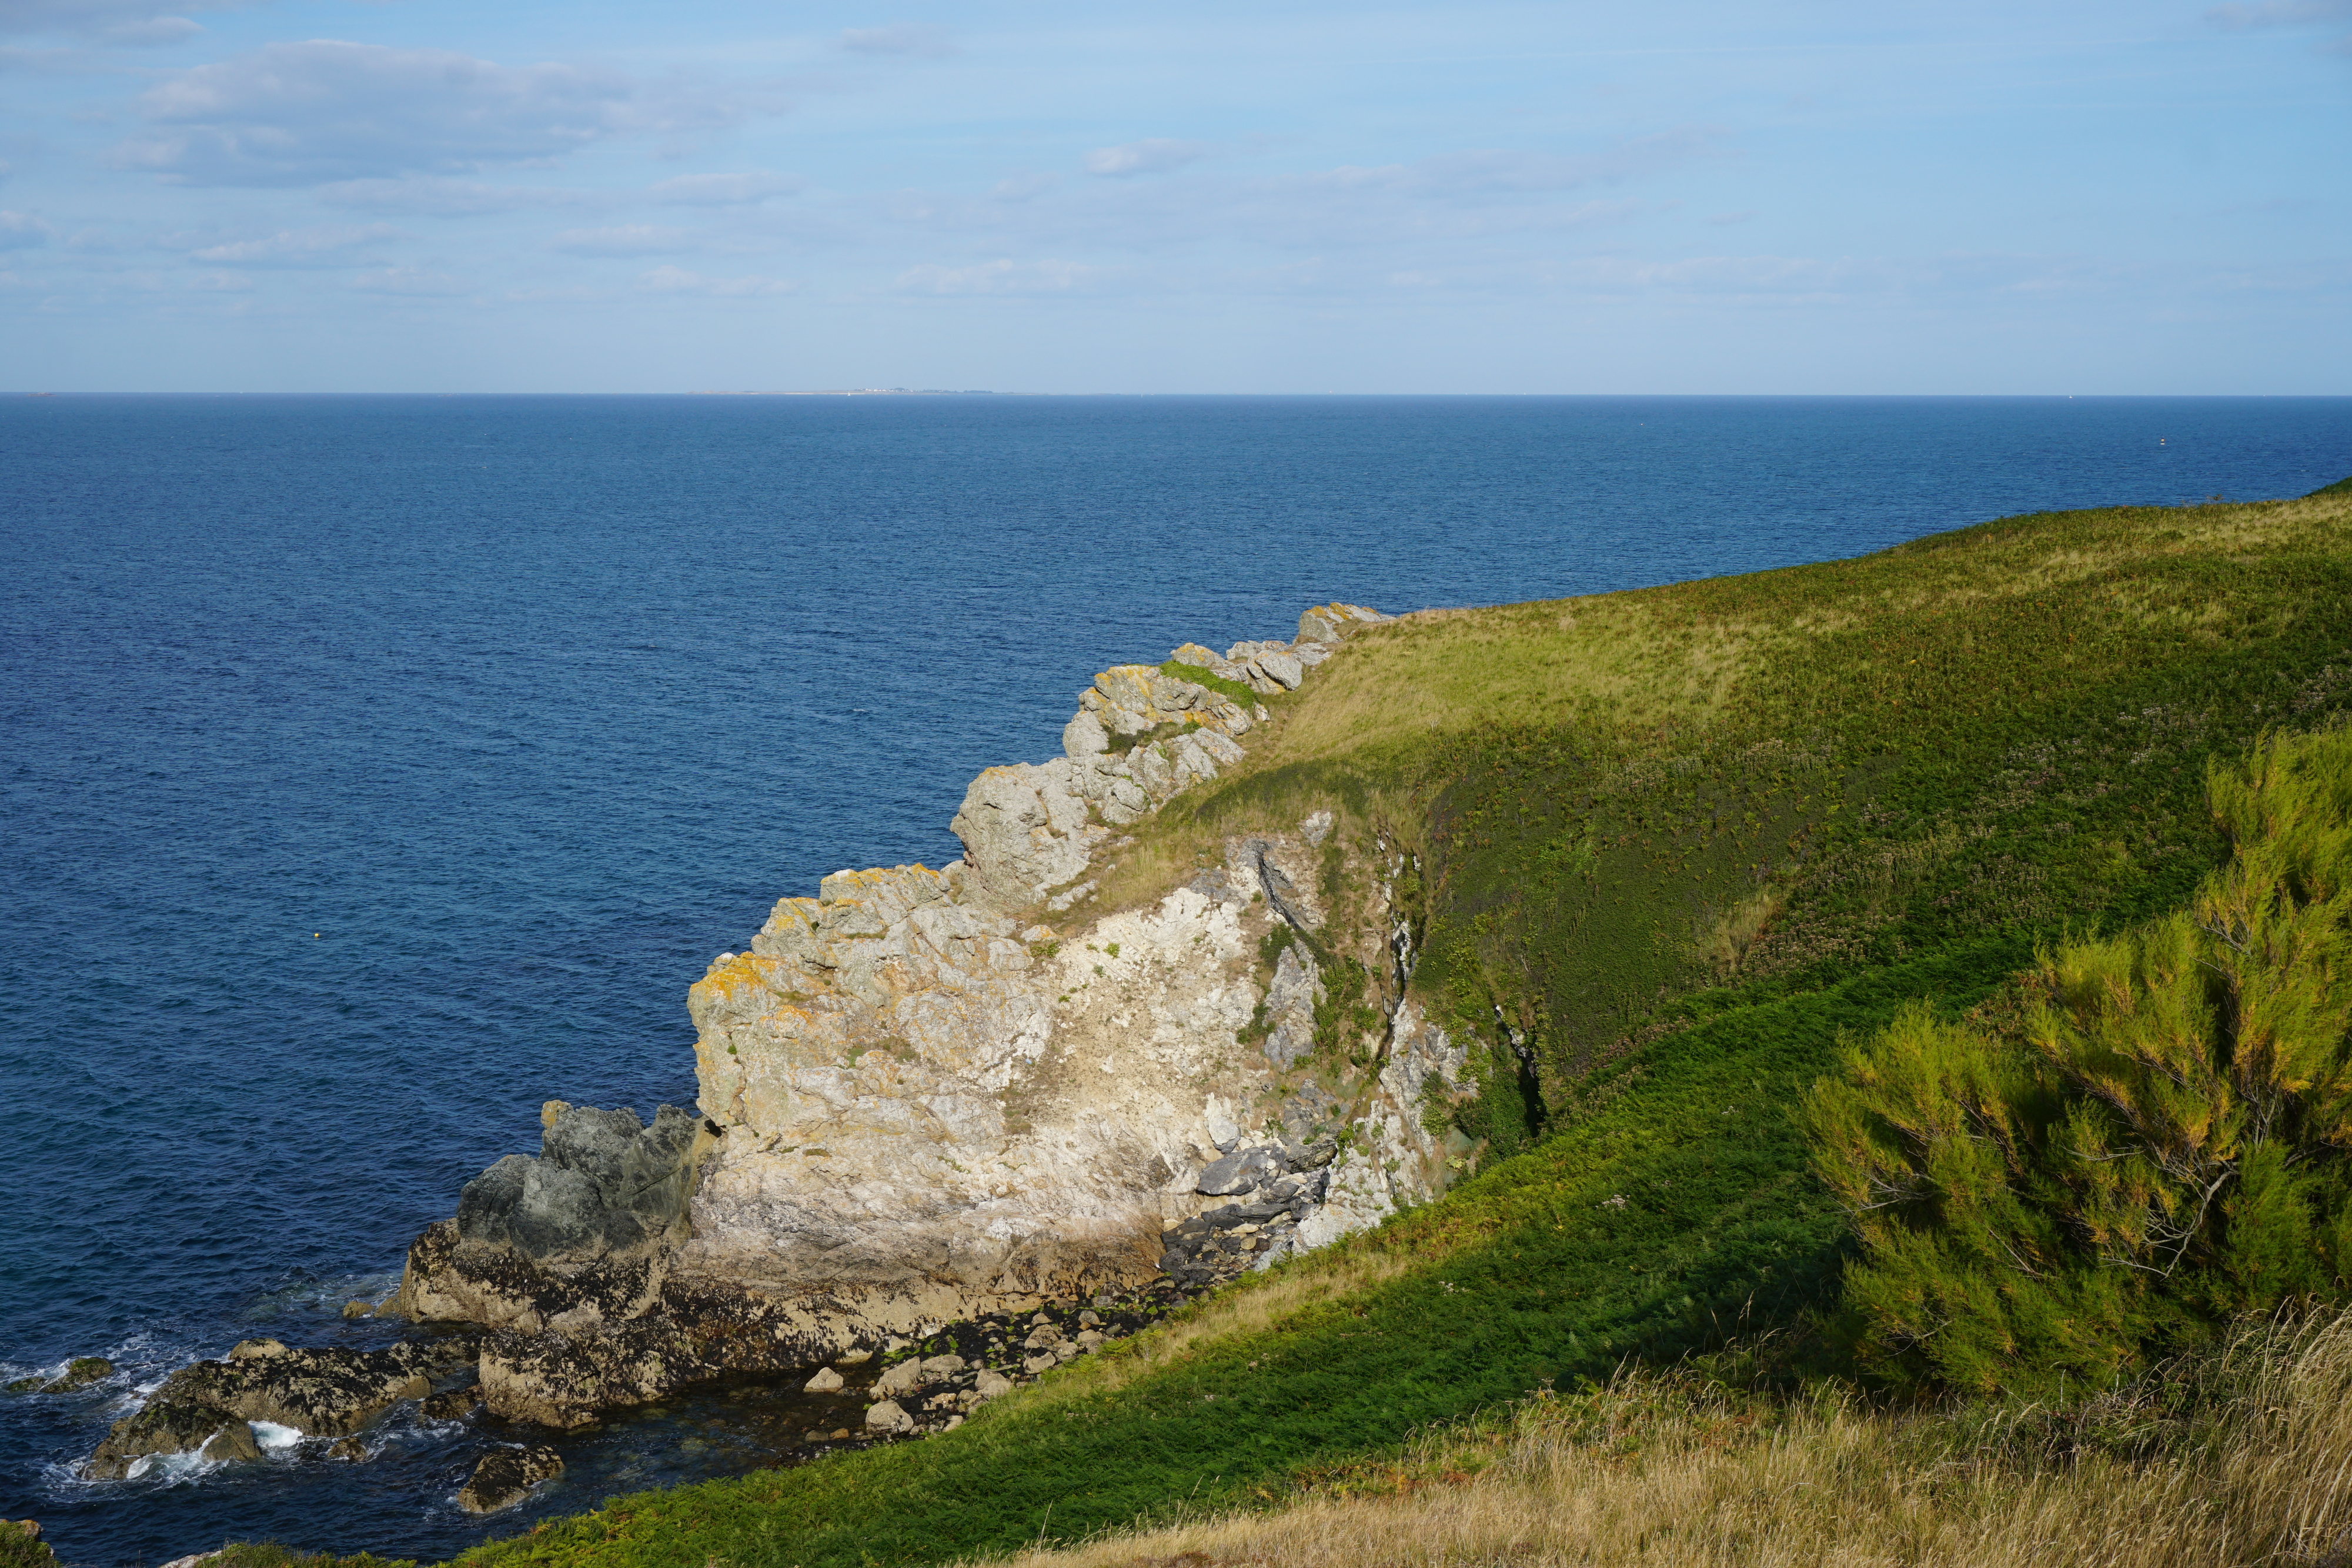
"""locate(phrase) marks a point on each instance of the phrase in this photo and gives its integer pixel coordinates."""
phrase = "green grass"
(1234, 691)
(1685, 840)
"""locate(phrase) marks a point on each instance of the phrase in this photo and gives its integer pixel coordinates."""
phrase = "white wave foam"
(271, 1435)
(171, 1470)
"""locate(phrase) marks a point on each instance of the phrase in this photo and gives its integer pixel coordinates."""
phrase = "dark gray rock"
(505, 1477)
(1239, 1171)
(601, 1183)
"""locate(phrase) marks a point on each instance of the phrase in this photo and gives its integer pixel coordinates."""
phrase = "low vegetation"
(1672, 854)
(2233, 1457)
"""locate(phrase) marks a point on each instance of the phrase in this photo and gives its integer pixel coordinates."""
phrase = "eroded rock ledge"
(930, 1097)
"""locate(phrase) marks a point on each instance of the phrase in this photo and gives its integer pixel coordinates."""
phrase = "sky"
(1691, 196)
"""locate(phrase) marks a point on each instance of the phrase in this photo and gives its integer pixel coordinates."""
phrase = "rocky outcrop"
(80, 1373)
(940, 1096)
(603, 1184)
(208, 1408)
(506, 1477)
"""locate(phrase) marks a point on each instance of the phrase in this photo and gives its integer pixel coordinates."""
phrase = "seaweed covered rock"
(506, 1477)
(318, 1393)
(80, 1373)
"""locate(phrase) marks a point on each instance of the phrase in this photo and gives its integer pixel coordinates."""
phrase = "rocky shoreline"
(951, 1128)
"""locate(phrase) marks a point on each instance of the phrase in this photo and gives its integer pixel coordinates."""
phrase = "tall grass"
(2244, 1458)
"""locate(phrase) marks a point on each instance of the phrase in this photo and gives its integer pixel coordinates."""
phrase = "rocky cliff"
(928, 1096)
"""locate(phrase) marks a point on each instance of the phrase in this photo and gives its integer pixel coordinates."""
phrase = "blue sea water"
(372, 769)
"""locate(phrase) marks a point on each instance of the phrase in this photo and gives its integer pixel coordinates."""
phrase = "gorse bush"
(2157, 1139)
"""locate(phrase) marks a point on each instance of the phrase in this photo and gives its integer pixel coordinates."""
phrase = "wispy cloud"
(2243, 15)
(22, 231)
(1003, 277)
(411, 280)
(2280, 13)
(724, 190)
(677, 280)
(328, 110)
(623, 239)
(326, 245)
(432, 197)
(898, 39)
(1153, 155)
(116, 22)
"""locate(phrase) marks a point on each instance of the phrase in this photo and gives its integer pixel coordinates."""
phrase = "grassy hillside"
(1673, 846)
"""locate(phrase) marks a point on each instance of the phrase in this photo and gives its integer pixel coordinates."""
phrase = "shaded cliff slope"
(1660, 851)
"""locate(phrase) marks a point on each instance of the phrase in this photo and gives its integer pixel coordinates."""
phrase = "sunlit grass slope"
(2242, 1455)
(1673, 846)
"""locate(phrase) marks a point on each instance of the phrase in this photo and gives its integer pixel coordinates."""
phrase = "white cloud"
(724, 190)
(1002, 277)
(900, 38)
(22, 231)
(410, 281)
(221, 283)
(318, 246)
(623, 239)
(434, 197)
(121, 22)
(328, 110)
(1023, 187)
(1153, 155)
(2288, 14)
(677, 280)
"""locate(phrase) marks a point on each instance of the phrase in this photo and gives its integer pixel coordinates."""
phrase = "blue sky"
(1680, 196)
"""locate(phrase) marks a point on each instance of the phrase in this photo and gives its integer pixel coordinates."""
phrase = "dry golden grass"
(1655, 1470)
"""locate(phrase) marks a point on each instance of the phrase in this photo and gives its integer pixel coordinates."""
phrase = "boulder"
(827, 1381)
(937, 1367)
(899, 1379)
(889, 1416)
(351, 1450)
(506, 1477)
(988, 1384)
(1024, 832)
(1085, 736)
(601, 1183)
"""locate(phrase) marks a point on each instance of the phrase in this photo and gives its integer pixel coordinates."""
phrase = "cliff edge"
(927, 1095)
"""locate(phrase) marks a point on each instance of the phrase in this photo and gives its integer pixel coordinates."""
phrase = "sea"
(373, 769)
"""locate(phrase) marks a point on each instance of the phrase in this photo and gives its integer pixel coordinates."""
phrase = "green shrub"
(20, 1548)
(2157, 1142)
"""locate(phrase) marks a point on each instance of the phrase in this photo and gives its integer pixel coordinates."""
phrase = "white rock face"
(927, 1096)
